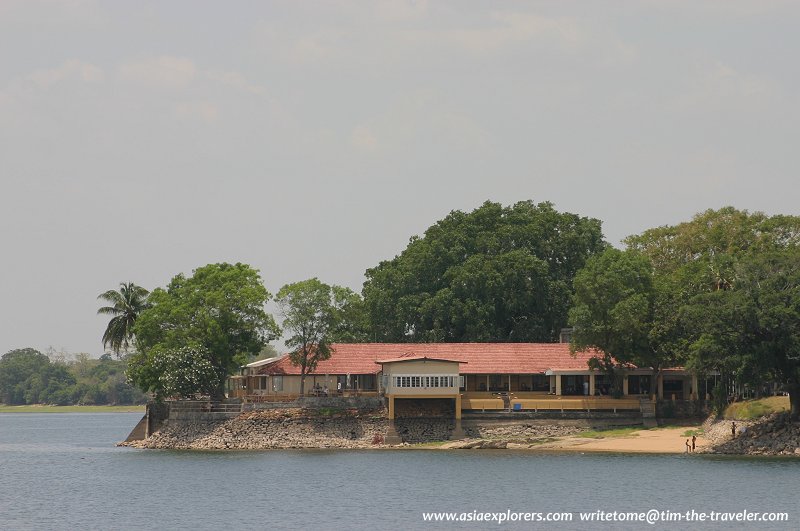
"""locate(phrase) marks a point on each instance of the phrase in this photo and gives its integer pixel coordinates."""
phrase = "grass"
(603, 434)
(70, 409)
(693, 433)
(328, 411)
(430, 444)
(544, 440)
(751, 409)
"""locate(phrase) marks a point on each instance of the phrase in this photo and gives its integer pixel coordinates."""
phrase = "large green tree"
(695, 267)
(700, 256)
(752, 330)
(613, 310)
(219, 310)
(317, 315)
(125, 305)
(650, 313)
(494, 274)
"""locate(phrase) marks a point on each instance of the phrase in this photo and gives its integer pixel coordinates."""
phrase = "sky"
(143, 139)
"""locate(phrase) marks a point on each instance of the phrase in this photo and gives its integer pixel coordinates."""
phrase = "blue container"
(517, 407)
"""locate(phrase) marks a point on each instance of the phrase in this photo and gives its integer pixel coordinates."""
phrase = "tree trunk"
(654, 383)
(302, 384)
(794, 402)
(217, 394)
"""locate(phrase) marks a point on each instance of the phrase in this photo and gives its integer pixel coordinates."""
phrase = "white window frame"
(426, 381)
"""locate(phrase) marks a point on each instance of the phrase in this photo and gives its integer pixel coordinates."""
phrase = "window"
(277, 383)
(541, 382)
(426, 382)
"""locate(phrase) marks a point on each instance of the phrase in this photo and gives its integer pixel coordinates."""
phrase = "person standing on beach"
(694, 440)
(733, 430)
(688, 446)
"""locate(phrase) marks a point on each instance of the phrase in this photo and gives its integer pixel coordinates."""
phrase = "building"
(473, 375)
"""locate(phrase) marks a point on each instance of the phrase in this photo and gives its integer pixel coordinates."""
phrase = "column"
(661, 386)
(558, 384)
(458, 406)
(625, 385)
(695, 390)
(509, 383)
(487, 382)
(591, 384)
(391, 407)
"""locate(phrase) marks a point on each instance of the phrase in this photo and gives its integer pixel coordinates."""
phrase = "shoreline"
(38, 408)
(302, 428)
(668, 440)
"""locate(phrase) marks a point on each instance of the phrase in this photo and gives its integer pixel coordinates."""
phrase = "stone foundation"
(683, 409)
(272, 429)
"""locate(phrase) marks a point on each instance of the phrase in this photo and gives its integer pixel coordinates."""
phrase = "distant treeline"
(28, 376)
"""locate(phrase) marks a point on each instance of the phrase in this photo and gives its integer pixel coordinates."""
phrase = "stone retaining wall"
(267, 429)
(340, 428)
(682, 409)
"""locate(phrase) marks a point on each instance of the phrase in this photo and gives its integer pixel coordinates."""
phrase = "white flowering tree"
(185, 372)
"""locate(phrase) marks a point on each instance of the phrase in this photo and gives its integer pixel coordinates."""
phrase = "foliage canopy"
(317, 315)
(494, 274)
(125, 306)
(219, 310)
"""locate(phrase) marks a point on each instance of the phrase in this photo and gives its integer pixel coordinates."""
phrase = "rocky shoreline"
(315, 428)
(773, 435)
(298, 428)
(272, 429)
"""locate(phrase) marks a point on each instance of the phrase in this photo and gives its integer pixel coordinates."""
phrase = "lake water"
(62, 471)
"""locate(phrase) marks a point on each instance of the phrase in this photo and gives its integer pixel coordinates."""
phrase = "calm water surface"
(62, 471)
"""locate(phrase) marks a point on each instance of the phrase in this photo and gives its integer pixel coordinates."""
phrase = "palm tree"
(125, 305)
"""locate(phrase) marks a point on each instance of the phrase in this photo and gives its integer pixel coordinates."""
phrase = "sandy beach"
(657, 441)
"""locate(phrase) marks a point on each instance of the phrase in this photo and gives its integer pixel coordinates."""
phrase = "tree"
(218, 310)
(752, 330)
(701, 254)
(267, 352)
(349, 316)
(309, 315)
(494, 274)
(185, 372)
(613, 311)
(125, 306)
(695, 267)
(28, 377)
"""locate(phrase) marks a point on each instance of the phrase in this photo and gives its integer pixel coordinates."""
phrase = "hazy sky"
(143, 139)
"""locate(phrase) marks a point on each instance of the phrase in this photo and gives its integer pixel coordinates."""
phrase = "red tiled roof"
(477, 358)
(417, 357)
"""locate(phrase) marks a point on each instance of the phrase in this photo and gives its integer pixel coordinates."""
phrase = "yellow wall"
(421, 367)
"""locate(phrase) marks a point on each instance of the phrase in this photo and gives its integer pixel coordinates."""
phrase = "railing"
(555, 403)
(253, 398)
(199, 406)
